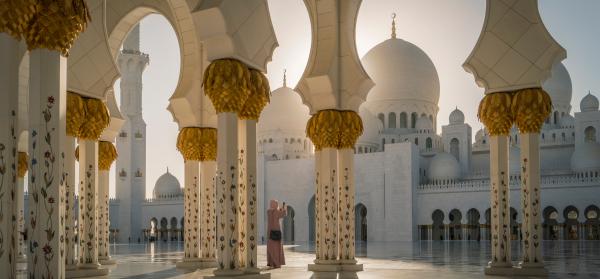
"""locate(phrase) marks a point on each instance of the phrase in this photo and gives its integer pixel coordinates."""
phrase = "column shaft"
(9, 92)
(227, 195)
(103, 217)
(20, 199)
(47, 130)
(207, 209)
(247, 217)
(500, 207)
(530, 200)
(88, 202)
(191, 208)
(346, 206)
(69, 173)
(326, 206)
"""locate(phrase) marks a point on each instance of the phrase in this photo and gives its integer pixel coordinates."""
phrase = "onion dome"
(167, 186)
(479, 135)
(559, 86)
(457, 117)
(586, 157)
(372, 128)
(401, 71)
(589, 103)
(443, 166)
(284, 112)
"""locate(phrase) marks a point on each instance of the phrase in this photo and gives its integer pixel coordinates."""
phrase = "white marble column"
(191, 210)
(20, 199)
(103, 218)
(9, 92)
(530, 202)
(500, 207)
(69, 172)
(207, 211)
(247, 214)
(47, 130)
(346, 214)
(88, 202)
(227, 195)
(326, 207)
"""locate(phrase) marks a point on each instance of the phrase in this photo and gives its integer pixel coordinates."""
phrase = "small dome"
(589, 103)
(514, 160)
(444, 166)
(479, 135)
(457, 117)
(567, 121)
(424, 123)
(372, 128)
(285, 112)
(166, 186)
(586, 157)
(401, 71)
(559, 86)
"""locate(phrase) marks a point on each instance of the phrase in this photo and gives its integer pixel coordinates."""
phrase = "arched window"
(360, 150)
(428, 143)
(382, 119)
(403, 120)
(454, 148)
(556, 117)
(590, 134)
(413, 119)
(393, 140)
(270, 140)
(416, 141)
(563, 136)
(292, 140)
(392, 120)
(553, 137)
(383, 144)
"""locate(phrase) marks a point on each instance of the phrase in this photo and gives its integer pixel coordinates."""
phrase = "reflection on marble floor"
(456, 259)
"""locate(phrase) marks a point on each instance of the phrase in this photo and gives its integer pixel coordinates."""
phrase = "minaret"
(131, 143)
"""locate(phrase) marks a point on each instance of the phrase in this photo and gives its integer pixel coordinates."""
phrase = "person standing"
(275, 256)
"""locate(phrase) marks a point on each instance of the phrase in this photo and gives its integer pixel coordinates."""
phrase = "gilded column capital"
(334, 129)
(16, 15)
(75, 113)
(227, 83)
(496, 114)
(97, 118)
(107, 154)
(198, 144)
(531, 107)
(23, 165)
(259, 96)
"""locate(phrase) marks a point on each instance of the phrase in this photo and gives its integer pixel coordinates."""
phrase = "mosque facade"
(413, 182)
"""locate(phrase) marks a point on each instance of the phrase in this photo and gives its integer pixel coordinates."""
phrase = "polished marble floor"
(455, 259)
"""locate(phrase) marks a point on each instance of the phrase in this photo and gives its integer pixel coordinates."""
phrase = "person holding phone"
(275, 256)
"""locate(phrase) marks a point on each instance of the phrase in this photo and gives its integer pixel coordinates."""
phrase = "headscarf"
(273, 204)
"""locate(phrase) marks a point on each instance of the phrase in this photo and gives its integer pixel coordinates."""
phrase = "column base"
(82, 272)
(237, 274)
(196, 263)
(107, 261)
(70, 266)
(524, 269)
(22, 259)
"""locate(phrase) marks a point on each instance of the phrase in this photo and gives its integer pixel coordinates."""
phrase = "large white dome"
(559, 86)
(401, 71)
(444, 166)
(285, 112)
(586, 157)
(166, 186)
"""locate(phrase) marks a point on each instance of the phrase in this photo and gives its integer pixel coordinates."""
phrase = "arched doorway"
(360, 225)
(311, 219)
(437, 230)
(288, 226)
(515, 232)
(473, 225)
(173, 233)
(455, 230)
(550, 226)
(153, 229)
(592, 223)
(571, 224)
(163, 229)
(182, 231)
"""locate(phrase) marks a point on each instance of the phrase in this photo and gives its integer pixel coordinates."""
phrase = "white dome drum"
(167, 186)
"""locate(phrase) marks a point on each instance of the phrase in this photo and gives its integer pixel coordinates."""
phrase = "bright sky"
(445, 30)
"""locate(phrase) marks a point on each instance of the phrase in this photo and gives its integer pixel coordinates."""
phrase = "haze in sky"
(446, 30)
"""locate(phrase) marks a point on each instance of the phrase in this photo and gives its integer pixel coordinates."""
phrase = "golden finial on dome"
(393, 25)
(284, 78)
